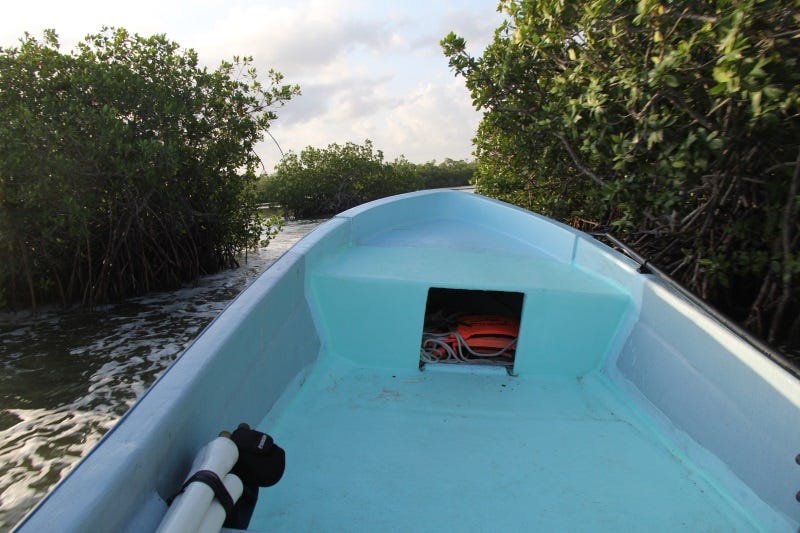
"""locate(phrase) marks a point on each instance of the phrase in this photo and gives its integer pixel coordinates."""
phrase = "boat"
(443, 361)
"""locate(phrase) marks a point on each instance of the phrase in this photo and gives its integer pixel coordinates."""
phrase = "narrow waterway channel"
(68, 377)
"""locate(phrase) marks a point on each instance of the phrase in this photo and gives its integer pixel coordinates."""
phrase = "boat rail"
(646, 267)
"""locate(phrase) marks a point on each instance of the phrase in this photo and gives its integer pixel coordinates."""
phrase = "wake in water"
(68, 378)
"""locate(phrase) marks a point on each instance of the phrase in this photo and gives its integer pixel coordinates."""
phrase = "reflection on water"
(67, 378)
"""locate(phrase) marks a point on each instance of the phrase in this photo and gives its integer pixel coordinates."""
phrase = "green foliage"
(325, 181)
(448, 173)
(124, 166)
(674, 124)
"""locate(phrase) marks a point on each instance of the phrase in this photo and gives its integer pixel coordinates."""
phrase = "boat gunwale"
(648, 268)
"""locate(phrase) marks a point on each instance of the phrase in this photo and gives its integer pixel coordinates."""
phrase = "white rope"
(436, 349)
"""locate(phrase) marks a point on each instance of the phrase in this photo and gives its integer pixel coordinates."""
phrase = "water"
(67, 378)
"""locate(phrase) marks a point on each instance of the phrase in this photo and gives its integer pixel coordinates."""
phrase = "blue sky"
(367, 69)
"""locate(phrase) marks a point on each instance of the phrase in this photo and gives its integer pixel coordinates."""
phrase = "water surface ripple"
(67, 378)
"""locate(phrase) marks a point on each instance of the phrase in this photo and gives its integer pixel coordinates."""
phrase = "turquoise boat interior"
(625, 407)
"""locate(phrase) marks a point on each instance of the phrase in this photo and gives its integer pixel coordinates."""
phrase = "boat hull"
(626, 406)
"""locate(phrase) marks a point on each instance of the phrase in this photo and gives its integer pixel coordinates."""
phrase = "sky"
(367, 69)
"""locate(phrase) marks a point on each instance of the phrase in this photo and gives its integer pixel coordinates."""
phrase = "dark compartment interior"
(471, 327)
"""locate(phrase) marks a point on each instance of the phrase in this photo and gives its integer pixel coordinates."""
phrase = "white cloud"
(297, 38)
(434, 121)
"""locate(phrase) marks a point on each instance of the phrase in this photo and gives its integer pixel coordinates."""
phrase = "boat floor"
(474, 449)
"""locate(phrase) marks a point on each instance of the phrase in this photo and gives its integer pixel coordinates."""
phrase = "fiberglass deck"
(476, 450)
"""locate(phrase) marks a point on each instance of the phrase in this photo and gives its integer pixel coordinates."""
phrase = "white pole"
(216, 515)
(189, 508)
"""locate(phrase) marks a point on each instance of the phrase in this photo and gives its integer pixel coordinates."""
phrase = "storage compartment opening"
(471, 327)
